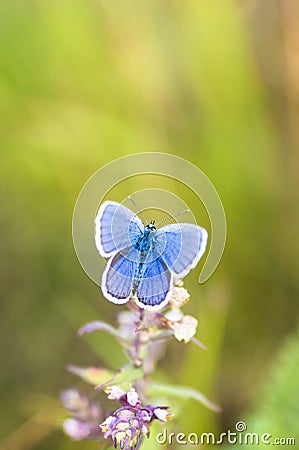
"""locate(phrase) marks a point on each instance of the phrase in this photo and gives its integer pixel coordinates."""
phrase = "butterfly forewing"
(116, 228)
(185, 245)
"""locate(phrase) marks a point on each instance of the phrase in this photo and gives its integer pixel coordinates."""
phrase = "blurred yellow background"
(83, 82)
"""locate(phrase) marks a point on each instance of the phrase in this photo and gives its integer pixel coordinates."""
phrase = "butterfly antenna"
(138, 210)
(172, 217)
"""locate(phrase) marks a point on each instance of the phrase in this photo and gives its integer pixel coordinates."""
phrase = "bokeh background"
(83, 82)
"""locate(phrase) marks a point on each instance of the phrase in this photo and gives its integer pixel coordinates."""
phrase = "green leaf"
(101, 378)
(183, 392)
(124, 377)
(92, 375)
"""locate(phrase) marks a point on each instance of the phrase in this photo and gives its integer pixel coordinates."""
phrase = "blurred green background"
(83, 82)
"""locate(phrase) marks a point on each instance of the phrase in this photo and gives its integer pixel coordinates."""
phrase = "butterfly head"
(151, 226)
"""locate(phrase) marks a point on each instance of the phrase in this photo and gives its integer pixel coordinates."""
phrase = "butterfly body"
(145, 241)
(144, 261)
(143, 245)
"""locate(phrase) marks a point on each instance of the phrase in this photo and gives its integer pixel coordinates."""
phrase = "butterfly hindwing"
(116, 227)
(118, 277)
(185, 243)
(155, 285)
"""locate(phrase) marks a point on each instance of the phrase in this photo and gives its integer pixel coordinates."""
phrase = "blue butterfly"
(144, 262)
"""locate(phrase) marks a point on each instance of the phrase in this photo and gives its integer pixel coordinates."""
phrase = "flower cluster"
(130, 423)
(156, 327)
(183, 327)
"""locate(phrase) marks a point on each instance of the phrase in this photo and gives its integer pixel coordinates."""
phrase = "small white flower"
(119, 436)
(122, 426)
(125, 414)
(105, 426)
(115, 392)
(132, 397)
(145, 431)
(146, 416)
(185, 329)
(162, 414)
(179, 297)
(126, 317)
(174, 315)
(127, 323)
